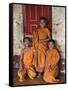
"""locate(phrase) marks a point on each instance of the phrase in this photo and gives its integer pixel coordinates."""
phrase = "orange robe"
(51, 67)
(27, 60)
(40, 45)
(28, 57)
(28, 67)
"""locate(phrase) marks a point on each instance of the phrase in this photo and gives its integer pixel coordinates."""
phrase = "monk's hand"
(26, 66)
(34, 50)
(49, 69)
(20, 69)
(46, 40)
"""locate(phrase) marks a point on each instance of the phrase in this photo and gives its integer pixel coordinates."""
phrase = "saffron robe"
(28, 57)
(40, 38)
(27, 60)
(28, 67)
(51, 66)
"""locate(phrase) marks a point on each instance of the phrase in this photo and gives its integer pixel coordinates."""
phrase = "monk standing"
(51, 66)
(40, 40)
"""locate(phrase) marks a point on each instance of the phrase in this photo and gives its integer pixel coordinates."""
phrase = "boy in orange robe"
(51, 66)
(40, 41)
(27, 54)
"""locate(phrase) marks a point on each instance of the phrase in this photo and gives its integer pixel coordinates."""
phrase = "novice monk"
(40, 40)
(27, 54)
(51, 66)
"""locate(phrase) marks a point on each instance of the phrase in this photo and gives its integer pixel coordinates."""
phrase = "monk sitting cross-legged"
(51, 66)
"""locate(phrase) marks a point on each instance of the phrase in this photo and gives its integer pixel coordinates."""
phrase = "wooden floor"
(36, 81)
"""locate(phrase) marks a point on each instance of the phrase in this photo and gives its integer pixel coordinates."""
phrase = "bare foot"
(31, 77)
(21, 80)
(54, 81)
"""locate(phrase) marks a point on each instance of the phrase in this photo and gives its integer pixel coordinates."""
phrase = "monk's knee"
(21, 75)
(31, 73)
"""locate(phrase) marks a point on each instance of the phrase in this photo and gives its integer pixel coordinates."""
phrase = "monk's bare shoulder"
(22, 51)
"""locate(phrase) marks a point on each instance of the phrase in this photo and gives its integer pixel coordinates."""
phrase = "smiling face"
(42, 23)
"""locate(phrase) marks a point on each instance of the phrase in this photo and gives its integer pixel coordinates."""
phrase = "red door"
(32, 15)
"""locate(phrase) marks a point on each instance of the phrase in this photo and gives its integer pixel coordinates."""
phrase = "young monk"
(40, 40)
(27, 54)
(51, 66)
